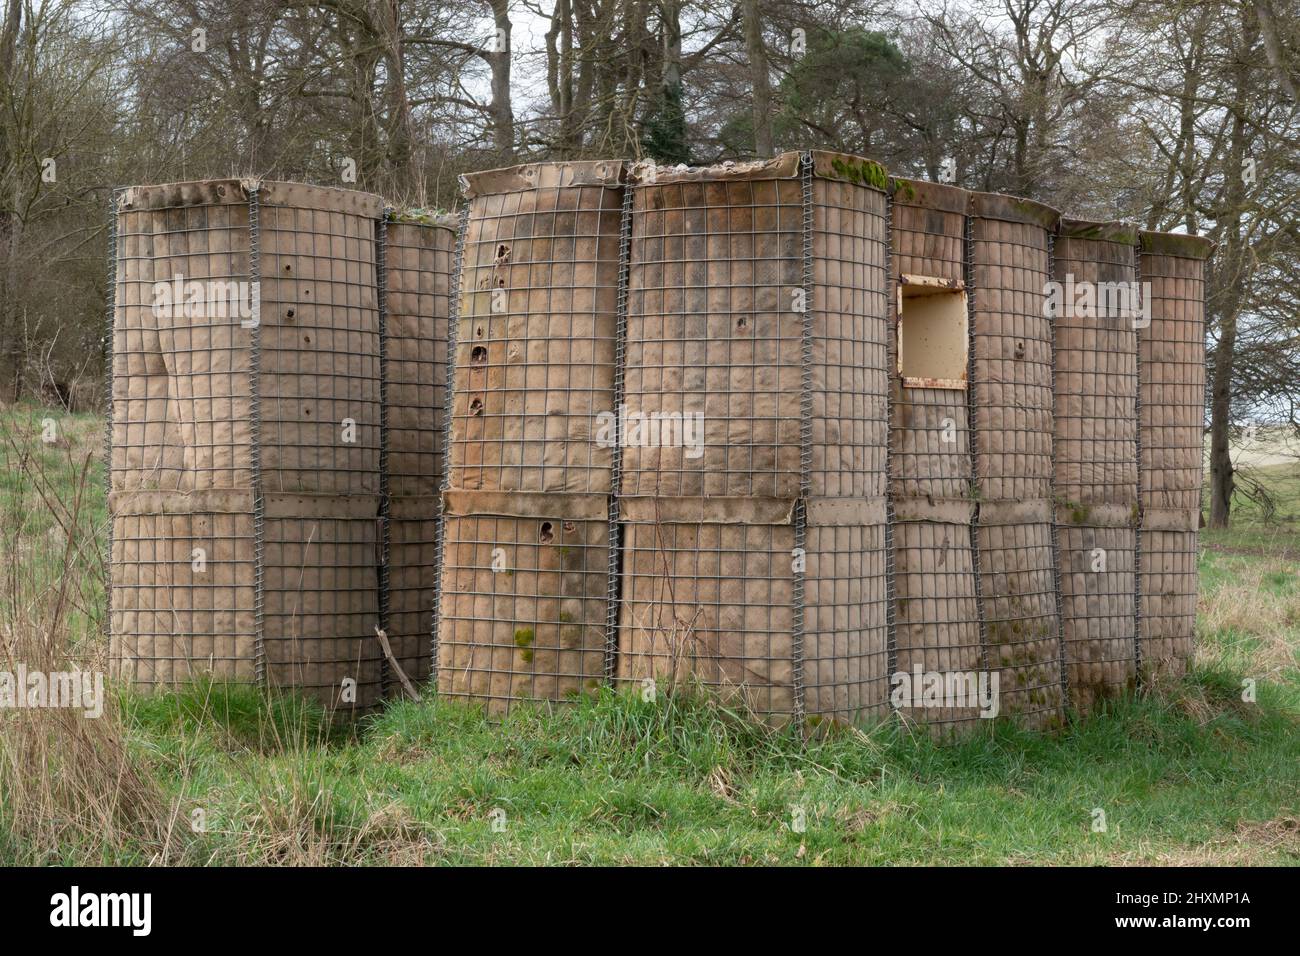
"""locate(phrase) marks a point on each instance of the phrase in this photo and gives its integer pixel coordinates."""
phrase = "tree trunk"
(1228, 295)
(757, 54)
(8, 218)
(503, 114)
(401, 137)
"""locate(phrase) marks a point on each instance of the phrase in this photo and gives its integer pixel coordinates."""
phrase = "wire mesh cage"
(937, 608)
(535, 346)
(245, 437)
(790, 429)
(417, 303)
(1096, 454)
(1009, 253)
(753, 555)
(525, 580)
(1172, 382)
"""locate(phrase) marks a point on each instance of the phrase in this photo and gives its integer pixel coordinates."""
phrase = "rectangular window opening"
(933, 334)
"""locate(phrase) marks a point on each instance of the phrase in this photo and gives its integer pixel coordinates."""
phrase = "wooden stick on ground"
(397, 669)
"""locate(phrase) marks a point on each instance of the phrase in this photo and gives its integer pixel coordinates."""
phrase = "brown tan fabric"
(171, 622)
(418, 287)
(1096, 377)
(715, 329)
(1018, 591)
(716, 322)
(712, 330)
(523, 608)
(936, 612)
(710, 602)
(1169, 586)
(1096, 461)
(183, 433)
(181, 374)
(1097, 610)
(322, 605)
(535, 338)
(180, 382)
(412, 570)
(713, 602)
(1012, 389)
(184, 596)
(1172, 371)
(929, 230)
(1012, 394)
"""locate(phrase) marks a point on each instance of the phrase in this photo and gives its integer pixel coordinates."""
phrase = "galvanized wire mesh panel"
(1096, 372)
(711, 601)
(181, 393)
(1011, 395)
(937, 613)
(319, 374)
(1018, 589)
(713, 330)
(523, 604)
(1169, 587)
(535, 342)
(246, 364)
(846, 659)
(525, 581)
(321, 594)
(937, 609)
(1173, 367)
(849, 362)
(417, 304)
(417, 299)
(175, 614)
(1097, 604)
(929, 230)
(1172, 370)
(1012, 389)
(929, 435)
(412, 568)
(1096, 456)
(754, 560)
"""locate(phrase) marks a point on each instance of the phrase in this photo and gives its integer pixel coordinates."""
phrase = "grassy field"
(217, 774)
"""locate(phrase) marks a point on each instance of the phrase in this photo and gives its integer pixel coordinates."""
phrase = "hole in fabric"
(547, 533)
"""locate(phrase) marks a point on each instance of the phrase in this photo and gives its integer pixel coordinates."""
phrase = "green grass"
(1191, 775)
(682, 780)
(50, 492)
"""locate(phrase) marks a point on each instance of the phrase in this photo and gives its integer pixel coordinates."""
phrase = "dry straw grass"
(66, 780)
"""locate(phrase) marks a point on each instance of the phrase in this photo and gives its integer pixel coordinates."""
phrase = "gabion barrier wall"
(754, 556)
(791, 429)
(937, 609)
(247, 447)
(524, 607)
(1171, 369)
(1096, 455)
(1006, 545)
(1009, 252)
(417, 296)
